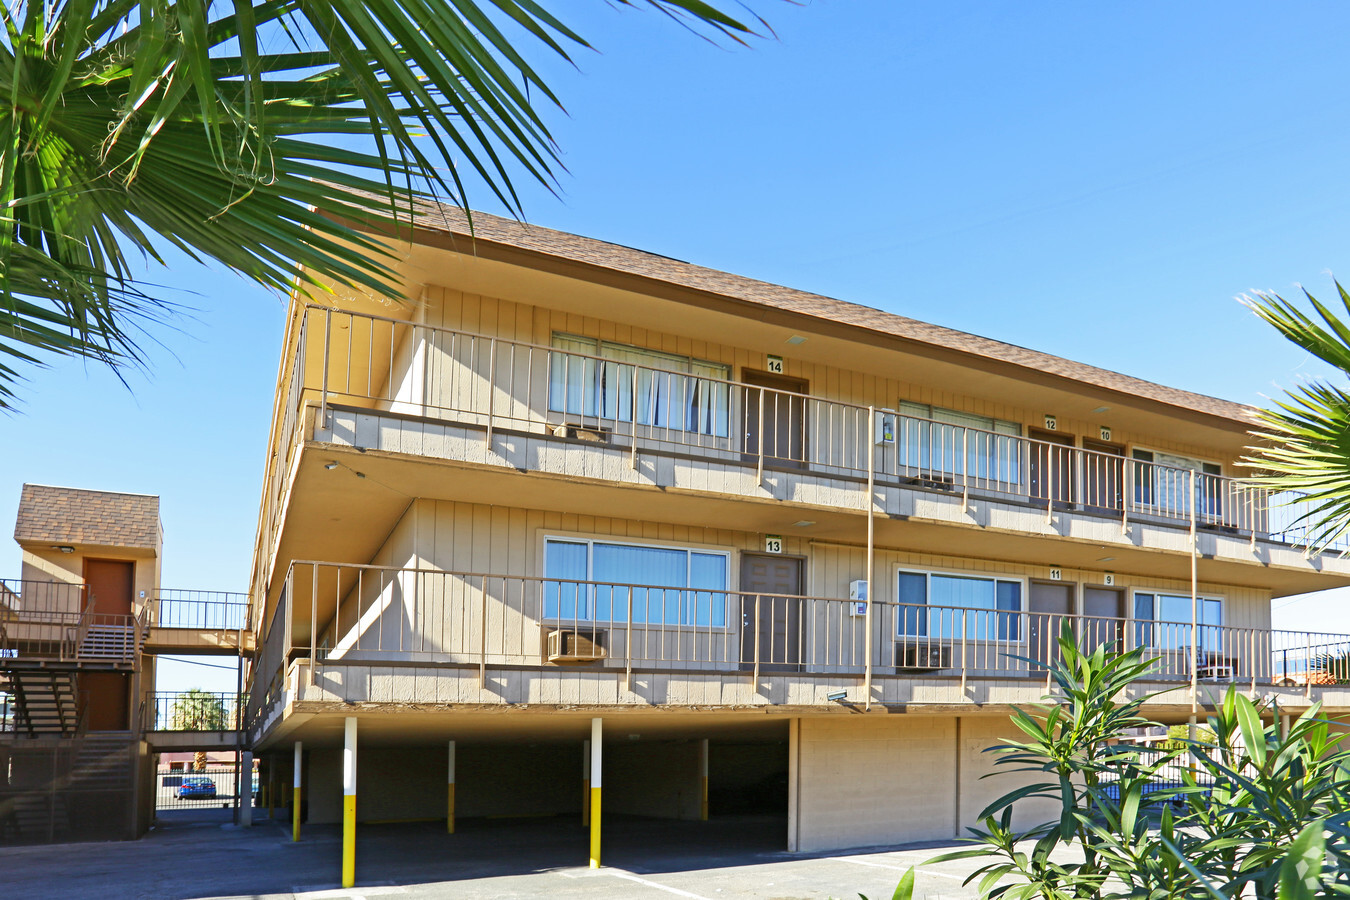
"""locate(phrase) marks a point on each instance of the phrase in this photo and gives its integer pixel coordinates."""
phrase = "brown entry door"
(774, 417)
(110, 583)
(1104, 610)
(1051, 476)
(1050, 606)
(771, 612)
(1103, 476)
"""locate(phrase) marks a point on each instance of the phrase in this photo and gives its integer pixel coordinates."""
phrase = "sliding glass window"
(933, 439)
(934, 605)
(1163, 621)
(662, 585)
(622, 383)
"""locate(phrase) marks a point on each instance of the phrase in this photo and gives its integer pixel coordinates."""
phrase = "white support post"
(295, 793)
(349, 802)
(596, 769)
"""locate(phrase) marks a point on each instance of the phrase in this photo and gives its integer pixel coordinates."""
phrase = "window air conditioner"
(923, 656)
(567, 647)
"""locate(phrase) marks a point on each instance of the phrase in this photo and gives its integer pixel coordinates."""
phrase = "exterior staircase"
(44, 702)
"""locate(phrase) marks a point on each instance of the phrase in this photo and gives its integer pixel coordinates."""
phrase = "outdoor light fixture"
(836, 696)
(796, 339)
(360, 474)
(804, 523)
(330, 466)
(64, 548)
(1101, 409)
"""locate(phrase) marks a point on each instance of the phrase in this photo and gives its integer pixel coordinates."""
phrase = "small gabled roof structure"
(63, 515)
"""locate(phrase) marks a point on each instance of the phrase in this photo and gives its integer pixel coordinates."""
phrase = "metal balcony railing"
(489, 383)
(56, 621)
(202, 610)
(192, 711)
(347, 614)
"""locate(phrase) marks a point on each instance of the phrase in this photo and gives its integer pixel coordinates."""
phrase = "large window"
(664, 585)
(1165, 481)
(936, 605)
(944, 440)
(1163, 621)
(623, 385)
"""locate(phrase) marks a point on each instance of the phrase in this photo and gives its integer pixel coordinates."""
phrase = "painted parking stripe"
(877, 865)
(620, 873)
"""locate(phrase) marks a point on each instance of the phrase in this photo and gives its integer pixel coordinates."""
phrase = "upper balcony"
(46, 624)
(601, 433)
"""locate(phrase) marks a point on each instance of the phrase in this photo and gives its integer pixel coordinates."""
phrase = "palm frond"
(224, 129)
(1304, 440)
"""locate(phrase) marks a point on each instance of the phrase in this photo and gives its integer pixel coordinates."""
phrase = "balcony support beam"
(349, 802)
(868, 641)
(450, 793)
(295, 791)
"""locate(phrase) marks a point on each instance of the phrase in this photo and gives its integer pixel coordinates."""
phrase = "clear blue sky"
(1098, 181)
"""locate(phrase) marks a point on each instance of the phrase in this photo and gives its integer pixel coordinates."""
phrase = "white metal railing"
(212, 610)
(373, 362)
(364, 614)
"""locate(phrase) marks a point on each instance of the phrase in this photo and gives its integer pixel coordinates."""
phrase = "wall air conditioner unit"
(567, 647)
(922, 657)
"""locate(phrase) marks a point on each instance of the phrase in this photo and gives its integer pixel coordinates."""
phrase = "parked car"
(196, 787)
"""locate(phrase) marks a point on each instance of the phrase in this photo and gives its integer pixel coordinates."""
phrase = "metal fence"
(183, 785)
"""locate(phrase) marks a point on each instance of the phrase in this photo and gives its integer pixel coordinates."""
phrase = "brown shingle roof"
(61, 515)
(618, 258)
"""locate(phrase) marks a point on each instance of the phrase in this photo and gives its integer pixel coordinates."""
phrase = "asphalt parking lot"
(198, 854)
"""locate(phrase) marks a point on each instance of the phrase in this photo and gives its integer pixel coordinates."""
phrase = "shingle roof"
(618, 258)
(61, 515)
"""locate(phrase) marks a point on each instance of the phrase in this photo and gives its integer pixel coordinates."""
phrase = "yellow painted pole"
(295, 795)
(585, 783)
(595, 793)
(349, 803)
(450, 793)
(703, 780)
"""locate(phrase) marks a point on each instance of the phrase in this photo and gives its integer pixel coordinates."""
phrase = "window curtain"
(945, 440)
(668, 391)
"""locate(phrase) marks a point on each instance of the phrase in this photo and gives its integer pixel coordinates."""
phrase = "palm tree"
(251, 134)
(1306, 436)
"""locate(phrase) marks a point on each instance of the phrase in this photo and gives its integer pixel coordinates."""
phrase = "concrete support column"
(270, 766)
(349, 802)
(703, 780)
(245, 789)
(1284, 727)
(585, 783)
(595, 792)
(450, 793)
(295, 793)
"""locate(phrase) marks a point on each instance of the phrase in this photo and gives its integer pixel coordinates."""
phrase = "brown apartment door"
(1103, 476)
(771, 612)
(1051, 475)
(775, 418)
(110, 583)
(1050, 606)
(105, 697)
(1104, 610)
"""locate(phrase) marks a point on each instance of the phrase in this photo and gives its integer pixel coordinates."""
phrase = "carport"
(665, 778)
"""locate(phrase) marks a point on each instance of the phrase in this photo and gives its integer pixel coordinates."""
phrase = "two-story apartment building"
(587, 517)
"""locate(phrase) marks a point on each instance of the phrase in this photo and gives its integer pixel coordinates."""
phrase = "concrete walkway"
(486, 860)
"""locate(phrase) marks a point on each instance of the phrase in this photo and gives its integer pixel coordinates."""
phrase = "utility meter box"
(885, 426)
(857, 595)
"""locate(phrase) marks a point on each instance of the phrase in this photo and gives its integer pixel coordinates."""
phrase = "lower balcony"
(357, 634)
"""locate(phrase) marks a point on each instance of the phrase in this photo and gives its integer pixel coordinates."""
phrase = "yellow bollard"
(595, 793)
(295, 798)
(349, 803)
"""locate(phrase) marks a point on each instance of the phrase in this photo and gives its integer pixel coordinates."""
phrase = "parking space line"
(620, 873)
(876, 865)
